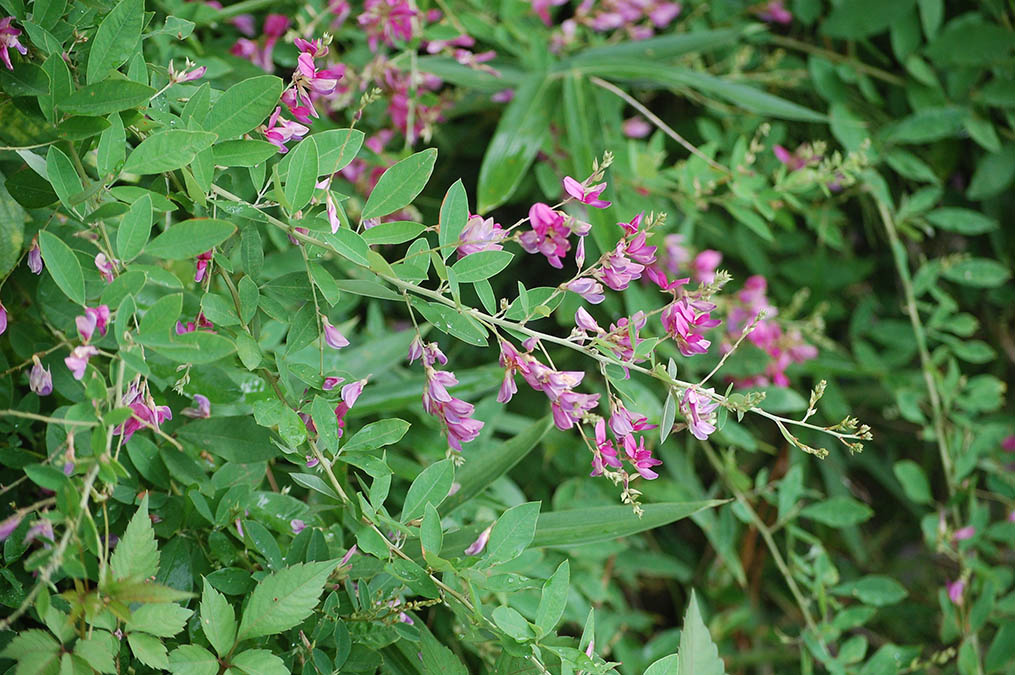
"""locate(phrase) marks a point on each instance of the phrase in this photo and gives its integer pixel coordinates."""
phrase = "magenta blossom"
(331, 382)
(641, 457)
(352, 391)
(105, 266)
(8, 39)
(774, 12)
(542, 8)
(584, 320)
(605, 453)
(476, 547)
(623, 422)
(586, 195)
(78, 360)
(455, 414)
(94, 318)
(201, 266)
(684, 320)
(348, 556)
(955, 590)
(964, 533)
(549, 234)
(144, 412)
(705, 264)
(480, 234)
(387, 21)
(188, 74)
(8, 525)
(332, 337)
(590, 289)
(280, 131)
(3, 318)
(201, 409)
(308, 81)
(636, 127)
(40, 379)
(698, 408)
(1008, 444)
(297, 525)
(35, 257)
(618, 270)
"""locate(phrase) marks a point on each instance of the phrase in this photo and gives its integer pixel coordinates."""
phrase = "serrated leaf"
(148, 650)
(192, 660)
(161, 620)
(218, 621)
(259, 662)
(136, 556)
(284, 599)
(400, 184)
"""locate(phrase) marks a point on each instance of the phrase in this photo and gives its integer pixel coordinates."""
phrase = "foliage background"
(902, 278)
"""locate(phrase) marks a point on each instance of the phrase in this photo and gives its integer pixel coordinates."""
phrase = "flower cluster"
(144, 412)
(275, 26)
(568, 406)
(638, 19)
(9, 40)
(454, 414)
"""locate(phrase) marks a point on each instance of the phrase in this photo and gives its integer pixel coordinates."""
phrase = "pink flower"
(663, 13)
(698, 409)
(1008, 444)
(78, 360)
(188, 74)
(636, 127)
(297, 525)
(480, 234)
(8, 526)
(348, 556)
(93, 318)
(955, 591)
(35, 257)
(548, 235)
(503, 96)
(682, 318)
(351, 392)
(280, 131)
(201, 410)
(105, 266)
(201, 266)
(312, 461)
(590, 289)
(774, 12)
(584, 320)
(332, 337)
(40, 379)
(40, 529)
(542, 8)
(9, 38)
(331, 209)
(705, 264)
(624, 423)
(476, 547)
(144, 412)
(182, 328)
(618, 270)
(3, 318)
(331, 382)
(245, 24)
(964, 533)
(239, 527)
(605, 453)
(387, 21)
(308, 81)
(641, 457)
(455, 414)
(586, 195)
(801, 157)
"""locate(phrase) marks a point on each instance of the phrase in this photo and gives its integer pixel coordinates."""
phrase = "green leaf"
(395, 232)
(431, 486)
(299, 185)
(914, 481)
(962, 221)
(350, 245)
(553, 600)
(512, 533)
(12, 229)
(192, 660)
(400, 184)
(431, 535)
(235, 439)
(190, 238)
(116, 39)
(243, 153)
(454, 215)
(972, 44)
(698, 654)
(1002, 648)
(519, 136)
(284, 599)
(194, 348)
(437, 658)
(259, 662)
(147, 649)
(481, 265)
(604, 523)
(218, 621)
(112, 146)
(653, 49)
(136, 556)
(243, 106)
(376, 435)
(494, 460)
(161, 620)
(977, 272)
(414, 577)
(513, 623)
(167, 150)
(860, 18)
(665, 666)
(62, 176)
(28, 642)
(134, 229)
(63, 265)
(275, 414)
(838, 512)
(108, 96)
(337, 148)
(98, 650)
(874, 589)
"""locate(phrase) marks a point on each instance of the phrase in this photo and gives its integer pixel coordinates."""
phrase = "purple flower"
(8, 526)
(774, 12)
(542, 8)
(144, 412)
(705, 264)
(40, 529)
(188, 74)
(618, 270)
(9, 38)
(590, 289)
(351, 392)
(605, 453)
(455, 414)
(201, 265)
(1008, 444)
(297, 525)
(641, 457)
(682, 318)
(105, 266)
(549, 234)
(40, 379)
(3, 318)
(480, 234)
(698, 409)
(94, 318)
(476, 547)
(312, 461)
(387, 21)
(78, 360)
(955, 591)
(239, 527)
(348, 555)
(586, 195)
(636, 127)
(331, 382)
(280, 131)
(332, 336)
(584, 320)
(35, 257)
(964, 533)
(201, 410)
